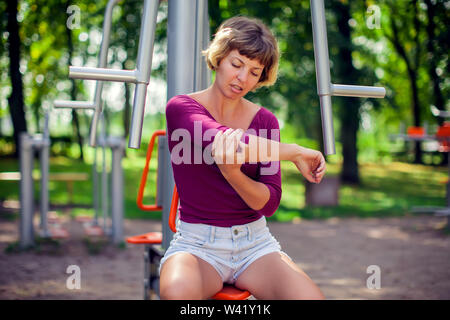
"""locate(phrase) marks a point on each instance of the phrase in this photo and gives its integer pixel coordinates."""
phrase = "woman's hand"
(226, 152)
(311, 164)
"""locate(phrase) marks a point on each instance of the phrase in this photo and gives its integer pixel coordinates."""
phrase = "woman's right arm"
(309, 162)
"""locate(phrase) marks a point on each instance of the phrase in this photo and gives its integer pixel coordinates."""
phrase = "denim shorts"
(229, 250)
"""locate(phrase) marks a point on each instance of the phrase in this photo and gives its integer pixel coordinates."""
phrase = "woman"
(226, 180)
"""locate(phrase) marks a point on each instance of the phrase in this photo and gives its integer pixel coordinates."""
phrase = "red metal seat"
(146, 238)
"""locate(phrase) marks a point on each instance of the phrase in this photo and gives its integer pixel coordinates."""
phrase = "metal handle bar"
(326, 89)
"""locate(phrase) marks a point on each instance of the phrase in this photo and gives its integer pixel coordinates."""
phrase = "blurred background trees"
(401, 45)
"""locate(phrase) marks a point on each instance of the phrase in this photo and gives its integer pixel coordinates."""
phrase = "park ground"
(412, 253)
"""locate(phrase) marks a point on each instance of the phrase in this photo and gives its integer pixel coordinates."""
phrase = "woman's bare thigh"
(186, 276)
(275, 276)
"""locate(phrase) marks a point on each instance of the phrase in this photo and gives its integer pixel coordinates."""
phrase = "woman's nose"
(242, 75)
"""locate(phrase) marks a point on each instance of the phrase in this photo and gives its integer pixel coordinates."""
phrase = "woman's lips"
(236, 88)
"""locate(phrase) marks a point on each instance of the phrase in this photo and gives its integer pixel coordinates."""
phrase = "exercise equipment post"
(96, 105)
(29, 145)
(326, 89)
(140, 76)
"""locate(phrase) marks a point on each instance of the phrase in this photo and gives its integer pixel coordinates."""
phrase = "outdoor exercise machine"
(117, 146)
(188, 32)
(153, 252)
(29, 146)
(105, 193)
(325, 88)
(442, 136)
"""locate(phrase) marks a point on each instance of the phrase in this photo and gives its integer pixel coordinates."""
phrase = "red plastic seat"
(146, 238)
(230, 292)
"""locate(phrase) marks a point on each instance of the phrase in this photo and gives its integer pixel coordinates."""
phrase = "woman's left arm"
(254, 193)
(263, 195)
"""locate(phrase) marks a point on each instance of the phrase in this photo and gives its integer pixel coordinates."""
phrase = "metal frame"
(29, 144)
(326, 89)
(140, 76)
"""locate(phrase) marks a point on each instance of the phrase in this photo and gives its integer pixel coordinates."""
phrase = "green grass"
(387, 189)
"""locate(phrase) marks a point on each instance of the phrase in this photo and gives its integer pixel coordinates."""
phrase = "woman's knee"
(179, 289)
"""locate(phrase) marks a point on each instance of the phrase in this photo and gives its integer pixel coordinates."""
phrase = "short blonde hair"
(253, 39)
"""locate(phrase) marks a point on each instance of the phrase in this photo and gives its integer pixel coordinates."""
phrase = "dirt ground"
(413, 254)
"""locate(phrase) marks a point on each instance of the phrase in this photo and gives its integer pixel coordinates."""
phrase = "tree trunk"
(15, 100)
(73, 93)
(432, 61)
(412, 66)
(349, 111)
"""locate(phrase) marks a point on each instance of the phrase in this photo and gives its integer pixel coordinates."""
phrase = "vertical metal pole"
(103, 59)
(320, 40)
(180, 80)
(144, 68)
(26, 191)
(202, 75)
(104, 182)
(117, 147)
(95, 193)
(44, 159)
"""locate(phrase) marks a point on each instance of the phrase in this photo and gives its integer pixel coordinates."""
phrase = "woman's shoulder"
(266, 117)
(183, 102)
(179, 99)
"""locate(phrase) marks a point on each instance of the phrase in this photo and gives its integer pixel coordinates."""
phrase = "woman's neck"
(224, 107)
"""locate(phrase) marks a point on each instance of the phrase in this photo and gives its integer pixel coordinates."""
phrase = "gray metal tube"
(137, 116)
(325, 89)
(73, 104)
(202, 72)
(105, 74)
(117, 146)
(95, 192)
(181, 48)
(103, 60)
(144, 68)
(357, 91)
(103, 55)
(320, 40)
(104, 181)
(44, 159)
(326, 112)
(319, 28)
(26, 191)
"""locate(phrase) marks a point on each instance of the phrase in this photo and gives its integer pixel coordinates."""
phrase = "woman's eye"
(255, 74)
(236, 66)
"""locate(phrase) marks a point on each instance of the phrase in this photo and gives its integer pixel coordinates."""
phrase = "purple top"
(205, 195)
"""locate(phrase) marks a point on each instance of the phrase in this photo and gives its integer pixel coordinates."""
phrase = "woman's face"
(236, 75)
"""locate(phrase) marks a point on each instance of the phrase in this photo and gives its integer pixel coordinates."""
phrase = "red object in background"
(444, 131)
(416, 131)
(150, 207)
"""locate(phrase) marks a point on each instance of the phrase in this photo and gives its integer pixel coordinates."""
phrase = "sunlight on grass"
(389, 189)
